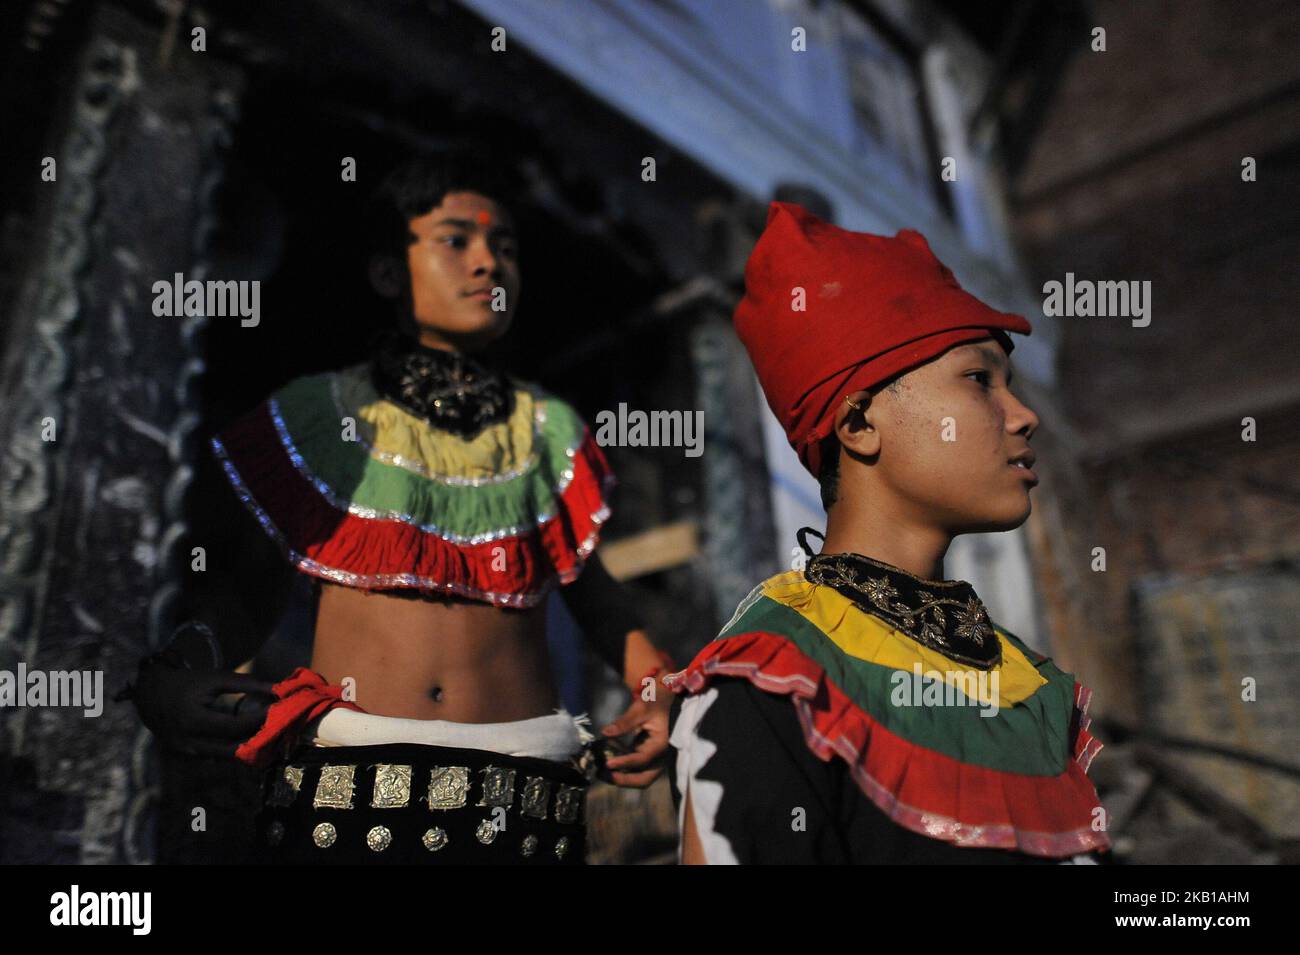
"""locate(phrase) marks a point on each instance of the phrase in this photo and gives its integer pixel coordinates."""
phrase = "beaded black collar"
(450, 390)
(944, 615)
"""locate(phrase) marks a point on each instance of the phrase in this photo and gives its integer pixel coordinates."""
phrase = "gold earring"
(852, 404)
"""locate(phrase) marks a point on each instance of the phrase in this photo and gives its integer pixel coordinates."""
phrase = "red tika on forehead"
(872, 306)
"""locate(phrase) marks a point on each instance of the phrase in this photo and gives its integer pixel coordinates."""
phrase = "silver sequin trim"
(370, 513)
(366, 581)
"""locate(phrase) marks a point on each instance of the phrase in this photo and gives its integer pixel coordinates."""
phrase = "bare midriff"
(435, 659)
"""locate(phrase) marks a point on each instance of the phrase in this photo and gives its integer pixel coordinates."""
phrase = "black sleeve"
(246, 584)
(604, 609)
(779, 802)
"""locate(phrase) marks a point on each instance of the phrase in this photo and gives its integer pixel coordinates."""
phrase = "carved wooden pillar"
(738, 526)
(92, 519)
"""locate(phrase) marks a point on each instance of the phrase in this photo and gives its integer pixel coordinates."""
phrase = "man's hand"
(182, 709)
(652, 719)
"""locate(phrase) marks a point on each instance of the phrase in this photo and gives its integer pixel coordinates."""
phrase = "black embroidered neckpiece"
(944, 615)
(450, 390)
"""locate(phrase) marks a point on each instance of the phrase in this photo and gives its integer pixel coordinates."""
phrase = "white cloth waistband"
(555, 737)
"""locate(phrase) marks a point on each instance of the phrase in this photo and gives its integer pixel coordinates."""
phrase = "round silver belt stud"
(561, 847)
(485, 832)
(379, 838)
(529, 846)
(275, 832)
(435, 839)
(324, 835)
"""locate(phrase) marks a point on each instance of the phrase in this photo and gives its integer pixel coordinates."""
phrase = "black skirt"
(411, 804)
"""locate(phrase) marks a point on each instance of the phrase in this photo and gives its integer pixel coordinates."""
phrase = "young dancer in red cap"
(863, 709)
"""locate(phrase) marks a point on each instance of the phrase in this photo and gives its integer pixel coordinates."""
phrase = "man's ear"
(386, 275)
(855, 424)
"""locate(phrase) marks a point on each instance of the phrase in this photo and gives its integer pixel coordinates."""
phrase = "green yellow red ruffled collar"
(360, 491)
(1001, 764)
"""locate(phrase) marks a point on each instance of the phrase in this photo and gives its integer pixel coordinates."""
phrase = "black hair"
(420, 184)
(829, 477)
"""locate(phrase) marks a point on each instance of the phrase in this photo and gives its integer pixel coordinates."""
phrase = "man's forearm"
(640, 658)
(632, 654)
(604, 609)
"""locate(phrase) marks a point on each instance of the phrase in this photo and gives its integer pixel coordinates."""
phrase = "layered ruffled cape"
(358, 491)
(1013, 780)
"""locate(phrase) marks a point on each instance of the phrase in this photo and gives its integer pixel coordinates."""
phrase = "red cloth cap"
(875, 306)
